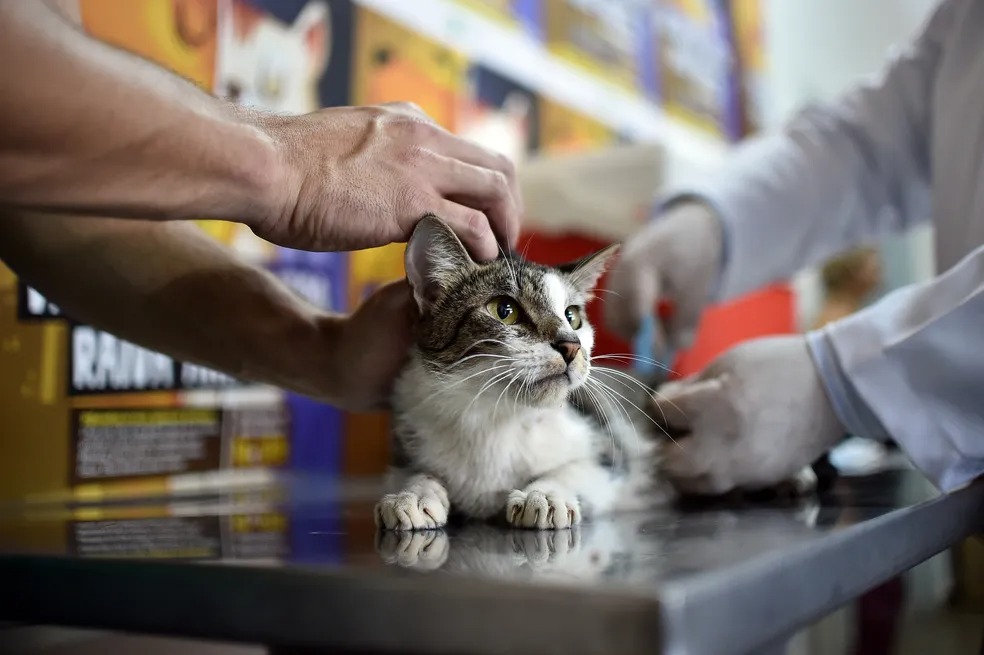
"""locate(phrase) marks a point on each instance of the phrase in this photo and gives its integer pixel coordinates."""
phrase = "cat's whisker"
(488, 385)
(666, 399)
(501, 394)
(648, 417)
(480, 342)
(606, 393)
(465, 379)
(479, 356)
(648, 391)
(526, 248)
(622, 378)
(512, 269)
(634, 358)
(500, 342)
(605, 416)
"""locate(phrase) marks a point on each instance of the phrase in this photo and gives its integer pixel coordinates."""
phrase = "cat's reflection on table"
(631, 546)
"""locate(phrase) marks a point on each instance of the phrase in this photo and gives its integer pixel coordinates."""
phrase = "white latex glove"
(755, 417)
(677, 258)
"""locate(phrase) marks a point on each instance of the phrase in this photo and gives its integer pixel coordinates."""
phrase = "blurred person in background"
(904, 147)
(849, 281)
(92, 134)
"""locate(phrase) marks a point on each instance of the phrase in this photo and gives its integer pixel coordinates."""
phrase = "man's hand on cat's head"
(370, 347)
(359, 177)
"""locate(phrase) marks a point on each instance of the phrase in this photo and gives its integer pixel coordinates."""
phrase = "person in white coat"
(905, 147)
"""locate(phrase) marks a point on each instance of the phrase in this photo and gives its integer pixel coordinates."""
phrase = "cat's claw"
(542, 510)
(410, 511)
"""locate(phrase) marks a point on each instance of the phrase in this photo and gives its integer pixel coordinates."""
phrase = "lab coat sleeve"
(911, 367)
(836, 176)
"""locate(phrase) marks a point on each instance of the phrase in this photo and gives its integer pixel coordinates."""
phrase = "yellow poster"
(393, 64)
(565, 130)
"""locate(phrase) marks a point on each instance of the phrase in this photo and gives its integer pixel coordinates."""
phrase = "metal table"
(298, 565)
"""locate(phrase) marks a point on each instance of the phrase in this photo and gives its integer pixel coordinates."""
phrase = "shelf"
(519, 57)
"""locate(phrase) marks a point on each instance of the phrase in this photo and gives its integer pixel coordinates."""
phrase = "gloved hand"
(677, 258)
(755, 417)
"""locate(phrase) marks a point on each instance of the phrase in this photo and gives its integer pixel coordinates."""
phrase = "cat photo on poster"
(500, 114)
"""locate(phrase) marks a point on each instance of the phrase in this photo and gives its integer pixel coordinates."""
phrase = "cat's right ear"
(435, 260)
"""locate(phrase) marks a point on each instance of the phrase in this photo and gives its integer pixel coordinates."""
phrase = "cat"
(500, 412)
(265, 63)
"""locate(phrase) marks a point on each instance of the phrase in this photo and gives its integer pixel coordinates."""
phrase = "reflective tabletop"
(297, 562)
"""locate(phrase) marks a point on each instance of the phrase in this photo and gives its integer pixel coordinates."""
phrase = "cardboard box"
(93, 415)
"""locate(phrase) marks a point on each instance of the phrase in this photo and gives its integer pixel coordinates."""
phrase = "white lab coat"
(905, 147)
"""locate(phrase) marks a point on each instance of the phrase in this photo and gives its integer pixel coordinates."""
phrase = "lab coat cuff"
(853, 412)
(667, 201)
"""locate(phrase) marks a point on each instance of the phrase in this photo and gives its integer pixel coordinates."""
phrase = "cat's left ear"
(313, 25)
(584, 273)
(435, 261)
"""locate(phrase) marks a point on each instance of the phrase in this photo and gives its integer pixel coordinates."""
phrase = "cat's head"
(509, 325)
(265, 63)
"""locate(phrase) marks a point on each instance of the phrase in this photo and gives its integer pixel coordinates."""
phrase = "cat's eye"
(573, 315)
(505, 309)
(270, 85)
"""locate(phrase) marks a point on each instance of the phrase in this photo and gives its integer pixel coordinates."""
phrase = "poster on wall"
(275, 55)
(292, 57)
(749, 37)
(697, 70)
(499, 114)
(391, 63)
(602, 37)
(565, 130)
(394, 64)
(525, 16)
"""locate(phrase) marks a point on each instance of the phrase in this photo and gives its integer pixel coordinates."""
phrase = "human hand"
(755, 417)
(370, 347)
(359, 177)
(675, 258)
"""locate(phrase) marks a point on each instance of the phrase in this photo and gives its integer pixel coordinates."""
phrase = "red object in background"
(769, 311)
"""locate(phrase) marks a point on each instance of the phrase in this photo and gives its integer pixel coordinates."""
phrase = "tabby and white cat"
(500, 412)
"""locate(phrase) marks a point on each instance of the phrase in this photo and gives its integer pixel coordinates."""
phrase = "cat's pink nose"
(567, 349)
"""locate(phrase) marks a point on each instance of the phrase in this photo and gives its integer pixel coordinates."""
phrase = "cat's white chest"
(481, 464)
(550, 439)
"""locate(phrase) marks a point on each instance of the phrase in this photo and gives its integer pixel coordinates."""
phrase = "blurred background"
(601, 103)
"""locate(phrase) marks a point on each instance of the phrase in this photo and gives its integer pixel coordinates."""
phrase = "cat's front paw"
(410, 511)
(542, 510)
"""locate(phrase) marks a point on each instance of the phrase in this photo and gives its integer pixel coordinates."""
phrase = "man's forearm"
(171, 288)
(89, 129)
